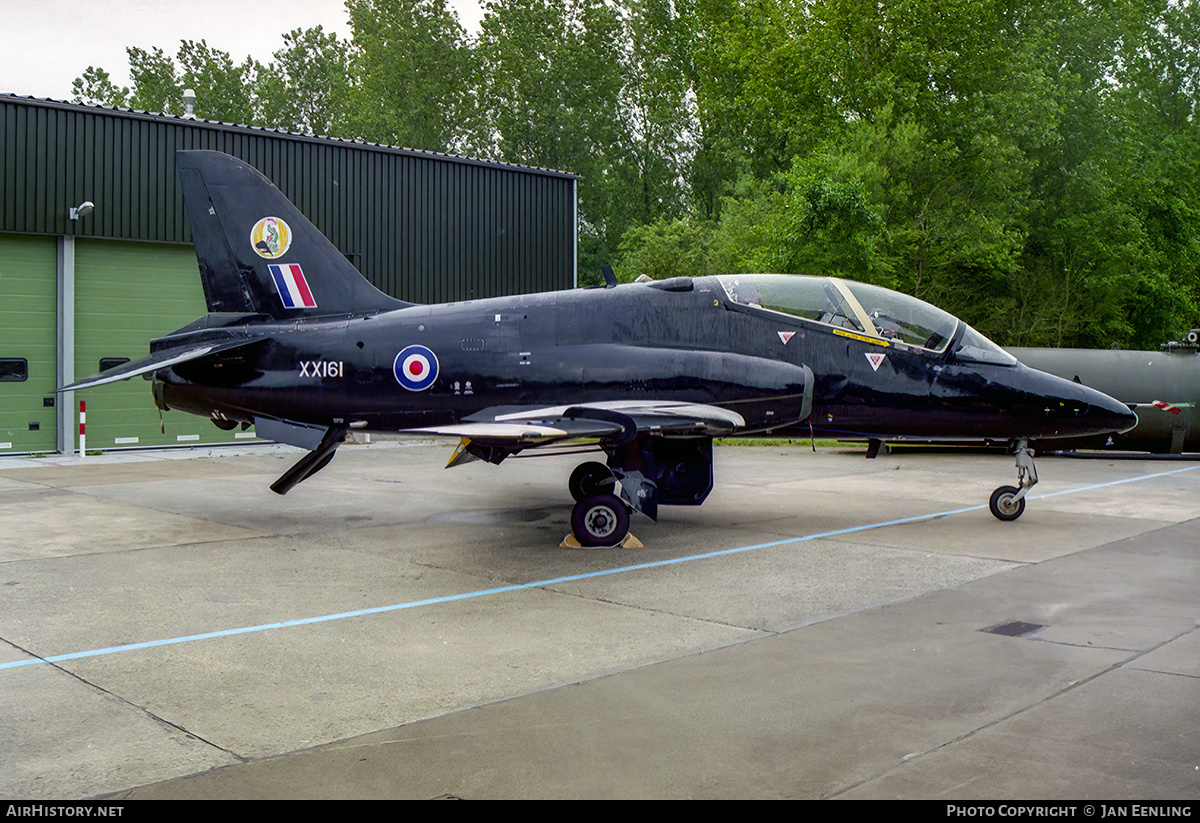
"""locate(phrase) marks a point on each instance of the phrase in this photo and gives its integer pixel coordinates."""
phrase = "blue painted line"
(1115, 482)
(450, 598)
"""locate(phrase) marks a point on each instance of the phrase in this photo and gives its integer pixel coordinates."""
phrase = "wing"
(495, 433)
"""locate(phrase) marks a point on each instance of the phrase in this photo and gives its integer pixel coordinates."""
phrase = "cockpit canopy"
(866, 310)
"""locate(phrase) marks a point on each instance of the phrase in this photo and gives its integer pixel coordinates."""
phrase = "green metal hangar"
(96, 256)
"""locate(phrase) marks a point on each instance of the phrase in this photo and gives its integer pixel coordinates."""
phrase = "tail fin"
(258, 253)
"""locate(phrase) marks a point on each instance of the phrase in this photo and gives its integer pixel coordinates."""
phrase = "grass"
(780, 441)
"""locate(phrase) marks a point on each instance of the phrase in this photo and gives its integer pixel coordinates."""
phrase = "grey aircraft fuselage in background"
(1162, 387)
(299, 344)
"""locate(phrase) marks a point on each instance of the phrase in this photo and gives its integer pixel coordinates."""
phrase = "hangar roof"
(423, 226)
(363, 144)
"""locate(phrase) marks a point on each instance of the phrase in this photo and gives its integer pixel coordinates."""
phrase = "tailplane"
(257, 253)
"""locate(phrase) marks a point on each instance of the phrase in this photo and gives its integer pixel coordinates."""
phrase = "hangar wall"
(422, 226)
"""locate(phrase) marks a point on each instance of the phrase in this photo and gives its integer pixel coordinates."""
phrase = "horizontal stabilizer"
(163, 359)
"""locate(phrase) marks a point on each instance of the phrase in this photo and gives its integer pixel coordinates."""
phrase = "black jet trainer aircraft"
(300, 345)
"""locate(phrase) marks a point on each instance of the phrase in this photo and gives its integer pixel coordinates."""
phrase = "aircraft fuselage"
(685, 342)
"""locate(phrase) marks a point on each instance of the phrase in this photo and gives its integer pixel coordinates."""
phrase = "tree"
(1014, 154)
(653, 146)
(224, 91)
(549, 95)
(309, 85)
(155, 81)
(95, 87)
(665, 248)
(1154, 107)
(411, 61)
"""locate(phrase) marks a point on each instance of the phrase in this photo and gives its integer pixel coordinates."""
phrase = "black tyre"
(590, 479)
(1003, 506)
(600, 520)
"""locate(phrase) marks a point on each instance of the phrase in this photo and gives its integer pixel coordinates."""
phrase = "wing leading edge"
(496, 433)
(547, 424)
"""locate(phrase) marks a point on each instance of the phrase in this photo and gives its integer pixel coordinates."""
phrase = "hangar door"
(27, 343)
(126, 294)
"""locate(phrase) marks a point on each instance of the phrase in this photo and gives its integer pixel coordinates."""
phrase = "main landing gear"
(1008, 502)
(599, 518)
(589, 479)
(641, 474)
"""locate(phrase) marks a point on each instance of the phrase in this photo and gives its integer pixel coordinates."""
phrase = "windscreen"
(869, 310)
(975, 348)
(901, 317)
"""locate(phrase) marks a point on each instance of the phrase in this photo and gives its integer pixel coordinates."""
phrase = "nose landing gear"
(1008, 502)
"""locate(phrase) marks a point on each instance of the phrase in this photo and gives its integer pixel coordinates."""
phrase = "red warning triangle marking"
(785, 336)
(876, 358)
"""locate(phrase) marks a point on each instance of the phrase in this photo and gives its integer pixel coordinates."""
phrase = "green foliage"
(652, 146)
(829, 228)
(223, 89)
(156, 84)
(665, 248)
(96, 88)
(549, 94)
(308, 87)
(411, 61)
(1001, 160)
(808, 224)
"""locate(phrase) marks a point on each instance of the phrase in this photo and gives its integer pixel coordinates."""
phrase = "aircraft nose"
(1107, 414)
(1070, 409)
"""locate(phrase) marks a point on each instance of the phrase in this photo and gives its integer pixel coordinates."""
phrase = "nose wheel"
(1008, 502)
(1005, 504)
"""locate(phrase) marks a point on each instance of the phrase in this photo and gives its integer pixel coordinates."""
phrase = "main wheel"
(600, 520)
(1003, 505)
(589, 479)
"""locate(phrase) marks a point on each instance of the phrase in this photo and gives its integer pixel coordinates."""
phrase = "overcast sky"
(46, 44)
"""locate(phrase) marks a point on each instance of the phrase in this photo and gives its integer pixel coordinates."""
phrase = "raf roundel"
(416, 367)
